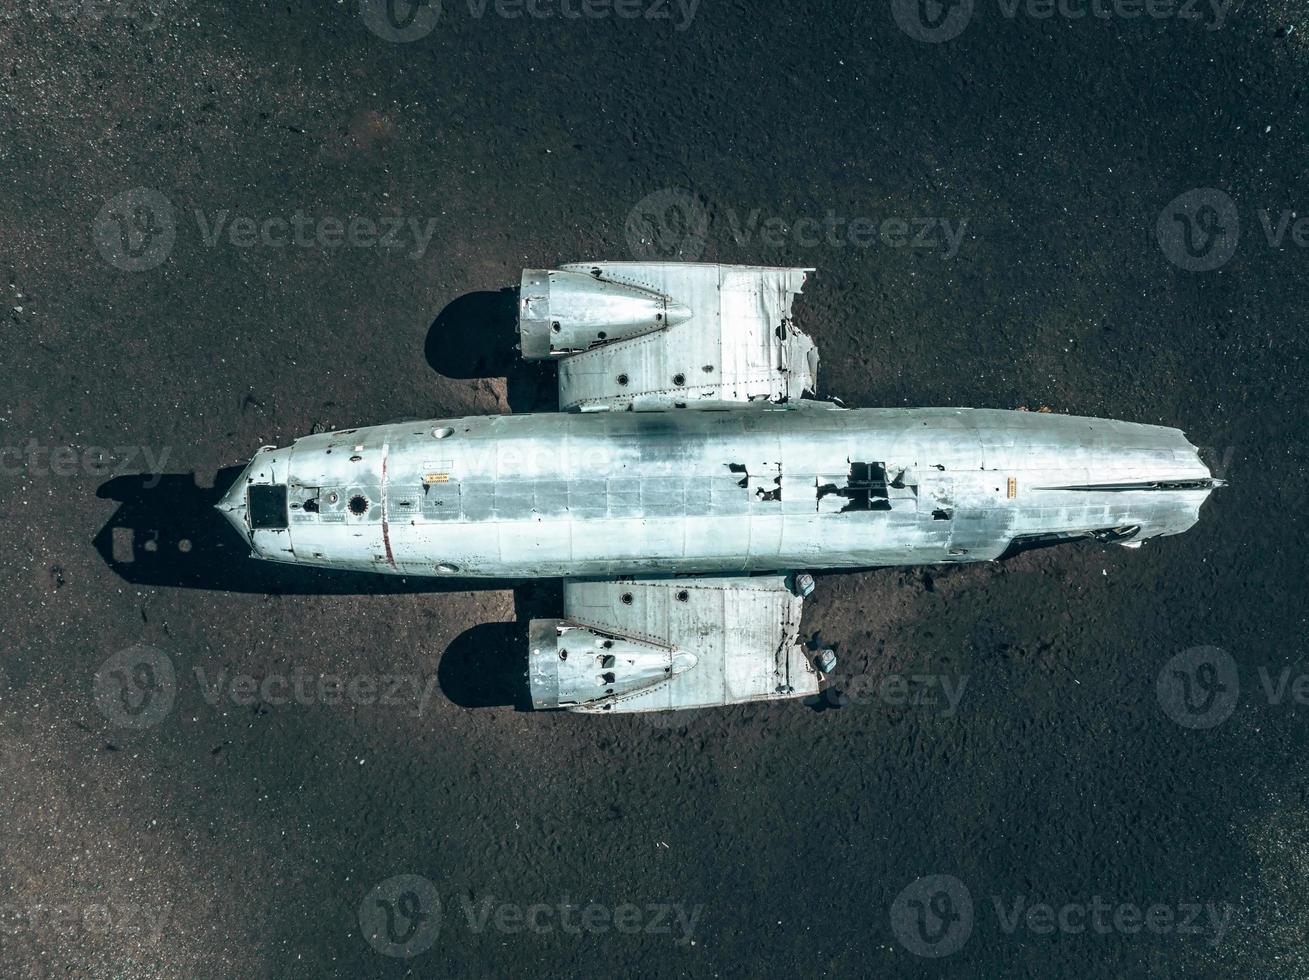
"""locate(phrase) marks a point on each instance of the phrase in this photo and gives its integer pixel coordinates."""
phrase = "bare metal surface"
(633, 483)
(674, 643)
(732, 339)
(567, 312)
(752, 489)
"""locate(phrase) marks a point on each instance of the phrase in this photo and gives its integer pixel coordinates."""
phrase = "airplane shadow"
(476, 336)
(485, 666)
(166, 532)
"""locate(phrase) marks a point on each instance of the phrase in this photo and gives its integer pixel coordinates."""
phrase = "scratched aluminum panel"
(343, 467)
(743, 632)
(729, 350)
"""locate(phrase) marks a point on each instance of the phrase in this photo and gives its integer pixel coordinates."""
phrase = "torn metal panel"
(726, 337)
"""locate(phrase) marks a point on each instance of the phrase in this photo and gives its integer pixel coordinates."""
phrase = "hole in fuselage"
(358, 505)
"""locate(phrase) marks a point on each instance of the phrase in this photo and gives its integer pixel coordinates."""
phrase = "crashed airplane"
(687, 487)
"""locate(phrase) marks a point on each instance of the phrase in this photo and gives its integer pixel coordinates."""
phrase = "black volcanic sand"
(258, 830)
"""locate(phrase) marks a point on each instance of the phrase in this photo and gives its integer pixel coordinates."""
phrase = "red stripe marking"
(386, 527)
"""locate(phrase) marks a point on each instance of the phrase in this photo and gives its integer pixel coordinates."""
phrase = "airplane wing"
(627, 645)
(639, 335)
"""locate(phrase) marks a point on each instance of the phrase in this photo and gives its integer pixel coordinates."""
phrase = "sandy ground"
(189, 273)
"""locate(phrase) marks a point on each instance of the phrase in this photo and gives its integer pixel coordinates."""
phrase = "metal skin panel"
(680, 643)
(738, 344)
(637, 493)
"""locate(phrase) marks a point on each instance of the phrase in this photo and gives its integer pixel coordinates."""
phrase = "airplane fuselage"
(744, 488)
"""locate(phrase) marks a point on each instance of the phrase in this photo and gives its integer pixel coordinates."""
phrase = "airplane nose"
(233, 504)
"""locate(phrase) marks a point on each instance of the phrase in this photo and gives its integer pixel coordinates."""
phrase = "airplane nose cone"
(233, 505)
(676, 313)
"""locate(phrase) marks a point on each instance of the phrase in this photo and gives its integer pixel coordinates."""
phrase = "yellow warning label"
(1013, 487)
(437, 478)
